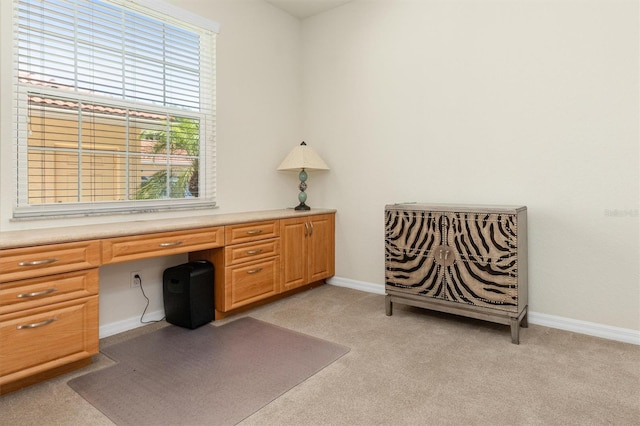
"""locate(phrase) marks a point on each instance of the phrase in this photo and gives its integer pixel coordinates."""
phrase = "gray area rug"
(210, 375)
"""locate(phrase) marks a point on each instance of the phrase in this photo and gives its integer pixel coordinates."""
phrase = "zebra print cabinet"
(461, 259)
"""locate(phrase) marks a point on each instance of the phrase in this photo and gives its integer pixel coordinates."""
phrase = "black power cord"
(139, 279)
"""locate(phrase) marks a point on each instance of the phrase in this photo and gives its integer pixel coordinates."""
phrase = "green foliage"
(183, 137)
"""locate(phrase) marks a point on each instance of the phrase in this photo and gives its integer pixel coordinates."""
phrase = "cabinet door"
(468, 258)
(321, 247)
(413, 240)
(485, 268)
(293, 236)
(308, 250)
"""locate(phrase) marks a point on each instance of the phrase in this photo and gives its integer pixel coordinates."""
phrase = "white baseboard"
(356, 285)
(619, 334)
(128, 324)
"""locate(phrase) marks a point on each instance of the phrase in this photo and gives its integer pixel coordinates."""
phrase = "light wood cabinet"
(49, 279)
(465, 260)
(48, 309)
(265, 260)
(308, 250)
(247, 270)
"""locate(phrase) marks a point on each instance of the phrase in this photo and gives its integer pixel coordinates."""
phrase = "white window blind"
(114, 108)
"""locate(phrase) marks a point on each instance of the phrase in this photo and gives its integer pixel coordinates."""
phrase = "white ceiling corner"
(305, 8)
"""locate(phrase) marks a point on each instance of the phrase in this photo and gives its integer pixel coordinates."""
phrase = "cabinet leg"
(388, 305)
(515, 331)
(524, 323)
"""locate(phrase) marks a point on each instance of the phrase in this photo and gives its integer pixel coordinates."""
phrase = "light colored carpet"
(210, 375)
(413, 368)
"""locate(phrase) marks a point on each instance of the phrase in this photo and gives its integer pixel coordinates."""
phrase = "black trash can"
(188, 294)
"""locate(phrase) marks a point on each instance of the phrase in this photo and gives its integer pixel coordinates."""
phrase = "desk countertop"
(37, 237)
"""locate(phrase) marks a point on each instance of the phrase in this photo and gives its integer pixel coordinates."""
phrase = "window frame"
(158, 10)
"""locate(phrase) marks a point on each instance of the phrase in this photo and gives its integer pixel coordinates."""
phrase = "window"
(114, 108)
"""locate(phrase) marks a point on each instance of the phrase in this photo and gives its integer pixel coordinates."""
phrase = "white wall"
(507, 102)
(522, 102)
(258, 101)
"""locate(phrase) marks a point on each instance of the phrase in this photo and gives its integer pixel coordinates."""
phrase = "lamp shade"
(303, 157)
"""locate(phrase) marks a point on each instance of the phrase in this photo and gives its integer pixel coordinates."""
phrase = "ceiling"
(305, 8)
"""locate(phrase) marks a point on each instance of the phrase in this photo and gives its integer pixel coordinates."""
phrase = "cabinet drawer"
(124, 249)
(248, 252)
(251, 282)
(23, 263)
(40, 339)
(251, 232)
(27, 294)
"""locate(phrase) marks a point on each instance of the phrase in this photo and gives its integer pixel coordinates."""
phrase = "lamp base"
(302, 206)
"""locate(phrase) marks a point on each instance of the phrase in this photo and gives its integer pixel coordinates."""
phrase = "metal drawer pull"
(254, 232)
(37, 324)
(171, 244)
(36, 293)
(38, 262)
(254, 271)
(252, 252)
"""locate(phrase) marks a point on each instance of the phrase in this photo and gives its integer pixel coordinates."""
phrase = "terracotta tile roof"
(34, 80)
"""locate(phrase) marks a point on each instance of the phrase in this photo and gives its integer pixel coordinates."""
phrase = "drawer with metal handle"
(249, 282)
(248, 252)
(23, 263)
(34, 292)
(135, 247)
(39, 339)
(255, 231)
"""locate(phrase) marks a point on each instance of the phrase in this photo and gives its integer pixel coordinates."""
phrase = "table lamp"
(303, 158)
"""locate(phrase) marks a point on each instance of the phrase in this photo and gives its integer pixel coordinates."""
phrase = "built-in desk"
(49, 285)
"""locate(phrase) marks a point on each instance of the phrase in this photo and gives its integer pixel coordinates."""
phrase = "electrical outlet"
(135, 280)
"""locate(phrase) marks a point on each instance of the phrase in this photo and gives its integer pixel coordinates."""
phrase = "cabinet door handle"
(36, 293)
(252, 252)
(310, 228)
(306, 229)
(254, 271)
(170, 244)
(254, 232)
(36, 324)
(39, 262)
